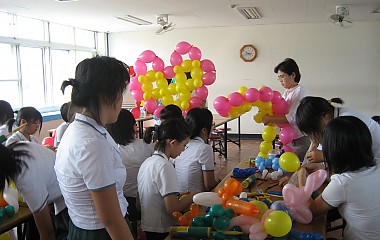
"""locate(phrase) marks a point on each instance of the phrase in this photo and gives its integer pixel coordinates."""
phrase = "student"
(157, 180)
(33, 120)
(89, 168)
(354, 173)
(133, 153)
(63, 126)
(289, 76)
(6, 114)
(195, 166)
(31, 167)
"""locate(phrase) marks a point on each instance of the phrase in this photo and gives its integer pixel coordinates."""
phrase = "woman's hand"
(315, 156)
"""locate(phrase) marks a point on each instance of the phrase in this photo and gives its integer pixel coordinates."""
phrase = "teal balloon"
(1, 213)
(218, 236)
(199, 222)
(245, 237)
(236, 228)
(229, 213)
(221, 223)
(217, 210)
(208, 219)
(9, 211)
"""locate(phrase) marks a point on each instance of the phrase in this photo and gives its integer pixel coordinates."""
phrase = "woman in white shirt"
(6, 114)
(195, 166)
(133, 153)
(89, 168)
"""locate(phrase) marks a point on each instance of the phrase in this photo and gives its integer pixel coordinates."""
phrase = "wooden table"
(17, 220)
(219, 121)
(140, 121)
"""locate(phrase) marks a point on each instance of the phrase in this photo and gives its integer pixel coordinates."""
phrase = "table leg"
(225, 141)
(141, 129)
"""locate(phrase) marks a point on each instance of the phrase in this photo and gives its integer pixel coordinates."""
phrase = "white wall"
(334, 62)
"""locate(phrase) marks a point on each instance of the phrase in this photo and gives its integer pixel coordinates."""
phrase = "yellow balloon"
(289, 162)
(187, 65)
(164, 92)
(246, 107)
(269, 134)
(264, 155)
(159, 75)
(156, 94)
(161, 83)
(143, 79)
(258, 118)
(196, 63)
(5, 236)
(151, 75)
(190, 84)
(242, 90)
(178, 69)
(233, 113)
(265, 147)
(184, 96)
(180, 78)
(198, 82)
(147, 87)
(196, 73)
(261, 86)
(278, 224)
(172, 88)
(167, 100)
(261, 206)
(147, 95)
(184, 105)
(181, 87)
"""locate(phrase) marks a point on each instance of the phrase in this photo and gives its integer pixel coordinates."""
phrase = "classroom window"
(6, 22)
(61, 33)
(63, 65)
(8, 62)
(29, 28)
(84, 38)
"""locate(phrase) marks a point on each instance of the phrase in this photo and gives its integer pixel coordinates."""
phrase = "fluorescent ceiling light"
(376, 9)
(249, 12)
(134, 20)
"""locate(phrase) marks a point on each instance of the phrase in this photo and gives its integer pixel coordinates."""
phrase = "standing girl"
(89, 168)
(33, 120)
(157, 180)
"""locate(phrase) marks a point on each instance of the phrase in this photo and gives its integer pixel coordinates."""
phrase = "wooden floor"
(249, 148)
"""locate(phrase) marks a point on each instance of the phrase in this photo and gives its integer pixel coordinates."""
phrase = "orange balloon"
(176, 215)
(221, 191)
(242, 207)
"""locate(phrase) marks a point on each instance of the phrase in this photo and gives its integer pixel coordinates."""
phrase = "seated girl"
(195, 166)
(347, 148)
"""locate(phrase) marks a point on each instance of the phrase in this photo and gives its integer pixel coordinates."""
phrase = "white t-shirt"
(37, 182)
(373, 127)
(189, 166)
(59, 133)
(133, 155)
(156, 180)
(293, 97)
(4, 130)
(18, 136)
(356, 196)
(88, 159)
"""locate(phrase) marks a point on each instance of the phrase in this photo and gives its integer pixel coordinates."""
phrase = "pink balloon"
(236, 99)
(147, 56)
(315, 180)
(257, 232)
(265, 215)
(157, 111)
(195, 53)
(294, 196)
(202, 92)
(175, 59)
(287, 148)
(251, 95)
(209, 78)
(194, 102)
(158, 65)
(140, 67)
(302, 214)
(220, 103)
(137, 95)
(135, 85)
(134, 79)
(224, 114)
(207, 65)
(183, 47)
(276, 97)
(150, 105)
(280, 108)
(266, 94)
(286, 135)
(168, 72)
(243, 221)
(258, 236)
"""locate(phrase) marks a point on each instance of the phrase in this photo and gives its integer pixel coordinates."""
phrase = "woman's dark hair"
(172, 128)
(310, 113)
(6, 112)
(289, 66)
(347, 145)
(30, 114)
(376, 119)
(197, 119)
(170, 111)
(123, 130)
(96, 78)
(64, 111)
(11, 163)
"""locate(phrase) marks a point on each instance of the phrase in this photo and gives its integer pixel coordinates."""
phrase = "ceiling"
(99, 15)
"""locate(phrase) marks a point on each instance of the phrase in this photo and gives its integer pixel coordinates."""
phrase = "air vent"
(249, 12)
(134, 20)
(376, 10)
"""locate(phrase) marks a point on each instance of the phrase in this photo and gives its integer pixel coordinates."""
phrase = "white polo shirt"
(18, 136)
(293, 97)
(133, 155)
(356, 197)
(189, 166)
(156, 180)
(88, 160)
(37, 183)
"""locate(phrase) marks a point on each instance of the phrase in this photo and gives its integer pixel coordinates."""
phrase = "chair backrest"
(48, 141)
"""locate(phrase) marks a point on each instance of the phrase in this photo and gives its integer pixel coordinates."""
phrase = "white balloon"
(207, 199)
(11, 191)
(274, 175)
(243, 195)
(11, 201)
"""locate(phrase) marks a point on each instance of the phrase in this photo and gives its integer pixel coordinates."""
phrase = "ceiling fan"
(165, 25)
(340, 18)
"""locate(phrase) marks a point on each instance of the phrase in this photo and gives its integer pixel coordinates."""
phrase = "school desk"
(140, 121)
(8, 223)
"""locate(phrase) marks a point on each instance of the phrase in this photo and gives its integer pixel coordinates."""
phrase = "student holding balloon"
(354, 173)
(157, 180)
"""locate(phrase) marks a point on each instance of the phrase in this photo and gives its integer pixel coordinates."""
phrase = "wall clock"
(248, 53)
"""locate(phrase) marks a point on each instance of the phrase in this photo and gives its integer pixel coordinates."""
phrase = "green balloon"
(1, 213)
(217, 210)
(208, 219)
(199, 222)
(245, 237)
(229, 213)
(221, 223)
(9, 211)
(218, 236)
(236, 228)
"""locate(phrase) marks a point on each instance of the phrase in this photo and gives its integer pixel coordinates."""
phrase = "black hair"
(289, 66)
(197, 119)
(376, 119)
(170, 111)
(347, 145)
(11, 163)
(96, 78)
(172, 128)
(6, 112)
(150, 135)
(30, 114)
(123, 130)
(310, 113)
(64, 111)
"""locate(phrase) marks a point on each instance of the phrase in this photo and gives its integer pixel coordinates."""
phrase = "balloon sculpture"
(183, 83)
